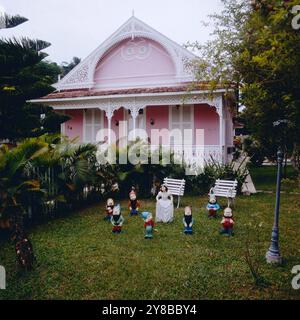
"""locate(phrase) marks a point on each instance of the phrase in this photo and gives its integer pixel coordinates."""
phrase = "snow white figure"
(164, 205)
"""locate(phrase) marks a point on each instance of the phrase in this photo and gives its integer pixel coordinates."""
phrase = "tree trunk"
(296, 160)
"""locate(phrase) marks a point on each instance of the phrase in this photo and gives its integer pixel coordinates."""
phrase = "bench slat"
(225, 194)
(174, 180)
(225, 184)
(175, 187)
(225, 188)
(222, 189)
(175, 183)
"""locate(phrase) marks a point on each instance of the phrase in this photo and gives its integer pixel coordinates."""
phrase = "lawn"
(264, 178)
(79, 258)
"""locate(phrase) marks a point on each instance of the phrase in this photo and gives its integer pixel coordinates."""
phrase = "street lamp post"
(273, 254)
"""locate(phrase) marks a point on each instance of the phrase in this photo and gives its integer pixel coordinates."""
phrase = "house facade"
(139, 77)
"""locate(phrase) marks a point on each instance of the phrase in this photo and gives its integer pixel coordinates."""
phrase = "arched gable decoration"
(82, 76)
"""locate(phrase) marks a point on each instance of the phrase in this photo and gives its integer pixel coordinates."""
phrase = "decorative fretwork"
(135, 103)
(82, 76)
(79, 76)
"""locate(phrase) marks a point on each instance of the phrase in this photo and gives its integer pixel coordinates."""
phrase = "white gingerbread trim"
(132, 102)
(82, 76)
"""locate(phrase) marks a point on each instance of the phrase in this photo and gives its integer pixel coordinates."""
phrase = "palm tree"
(78, 169)
(15, 184)
(73, 165)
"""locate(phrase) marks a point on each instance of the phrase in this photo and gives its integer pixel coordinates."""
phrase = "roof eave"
(120, 96)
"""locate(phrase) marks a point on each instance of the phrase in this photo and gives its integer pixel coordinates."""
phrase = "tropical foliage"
(51, 173)
(15, 185)
(24, 172)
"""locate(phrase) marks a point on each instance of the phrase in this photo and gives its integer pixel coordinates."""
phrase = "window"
(93, 122)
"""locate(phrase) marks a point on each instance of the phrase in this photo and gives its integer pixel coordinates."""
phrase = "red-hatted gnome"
(212, 206)
(133, 204)
(117, 219)
(110, 204)
(227, 222)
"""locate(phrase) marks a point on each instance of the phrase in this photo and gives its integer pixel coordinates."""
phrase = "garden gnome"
(115, 191)
(212, 206)
(148, 225)
(117, 219)
(133, 205)
(227, 222)
(109, 209)
(188, 220)
(102, 189)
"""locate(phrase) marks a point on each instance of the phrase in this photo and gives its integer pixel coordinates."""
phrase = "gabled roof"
(82, 76)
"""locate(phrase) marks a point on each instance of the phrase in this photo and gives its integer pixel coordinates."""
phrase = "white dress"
(164, 207)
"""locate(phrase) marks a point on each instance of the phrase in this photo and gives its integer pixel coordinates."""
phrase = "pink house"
(139, 75)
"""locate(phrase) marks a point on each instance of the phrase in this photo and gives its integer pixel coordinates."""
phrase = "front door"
(181, 117)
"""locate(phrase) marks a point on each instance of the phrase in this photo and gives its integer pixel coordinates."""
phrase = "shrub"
(201, 183)
(255, 151)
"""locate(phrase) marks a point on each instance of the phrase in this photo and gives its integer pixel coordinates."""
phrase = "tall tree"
(8, 21)
(270, 65)
(255, 47)
(24, 76)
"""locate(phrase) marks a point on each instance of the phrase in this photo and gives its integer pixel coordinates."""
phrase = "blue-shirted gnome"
(212, 206)
(148, 225)
(188, 220)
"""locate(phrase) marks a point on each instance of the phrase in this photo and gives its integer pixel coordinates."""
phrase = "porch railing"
(193, 154)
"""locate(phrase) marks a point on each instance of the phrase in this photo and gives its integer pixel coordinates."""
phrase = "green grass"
(264, 178)
(79, 258)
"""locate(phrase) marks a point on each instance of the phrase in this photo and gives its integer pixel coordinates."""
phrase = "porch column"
(134, 112)
(219, 108)
(109, 114)
(221, 133)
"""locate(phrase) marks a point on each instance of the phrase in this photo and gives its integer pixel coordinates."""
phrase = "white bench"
(175, 187)
(225, 188)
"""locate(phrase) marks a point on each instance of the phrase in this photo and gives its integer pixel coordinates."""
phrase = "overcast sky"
(77, 27)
